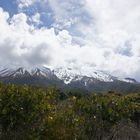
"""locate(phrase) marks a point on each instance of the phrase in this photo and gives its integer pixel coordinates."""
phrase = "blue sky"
(10, 6)
(47, 15)
(80, 34)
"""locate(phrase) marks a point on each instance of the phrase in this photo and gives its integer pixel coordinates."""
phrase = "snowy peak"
(5, 72)
(20, 71)
(43, 71)
(14, 72)
(67, 75)
(67, 78)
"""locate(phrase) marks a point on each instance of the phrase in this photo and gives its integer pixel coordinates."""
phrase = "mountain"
(32, 76)
(68, 78)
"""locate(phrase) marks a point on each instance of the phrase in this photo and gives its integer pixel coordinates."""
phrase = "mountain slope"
(90, 80)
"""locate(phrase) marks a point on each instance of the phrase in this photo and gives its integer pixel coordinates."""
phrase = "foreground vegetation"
(33, 113)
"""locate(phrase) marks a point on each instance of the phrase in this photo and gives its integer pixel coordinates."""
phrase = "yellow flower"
(74, 98)
(51, 118)
(49, 106)
(76, 119)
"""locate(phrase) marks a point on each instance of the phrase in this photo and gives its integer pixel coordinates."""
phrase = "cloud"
(25, 3)
(85, 34)
(21, 43)
(24, 44)
(64, 13)
(115, 26)
(36, 19)
(28, 3)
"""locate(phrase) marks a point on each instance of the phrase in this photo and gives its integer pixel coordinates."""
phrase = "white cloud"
(23, 44)
(67, 13)
(115, 26)
(25, 3)
(36, 19)
(109, 36)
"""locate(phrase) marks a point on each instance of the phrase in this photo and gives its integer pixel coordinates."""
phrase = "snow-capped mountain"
(89, 79)
(21, 71)
(67, 75)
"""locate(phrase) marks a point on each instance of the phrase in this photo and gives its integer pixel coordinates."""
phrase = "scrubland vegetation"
(34, 113)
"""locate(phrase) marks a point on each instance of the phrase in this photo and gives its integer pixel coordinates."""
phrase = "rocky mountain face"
(89, 80)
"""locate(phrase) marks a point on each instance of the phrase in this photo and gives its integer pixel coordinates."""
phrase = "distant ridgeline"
(68, 79)
(33, 113)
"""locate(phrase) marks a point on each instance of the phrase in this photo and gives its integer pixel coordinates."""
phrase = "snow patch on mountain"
(67, 75)
(42, 71)
(129, 80)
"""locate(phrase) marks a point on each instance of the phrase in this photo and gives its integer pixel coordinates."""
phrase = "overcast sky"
(100, 34)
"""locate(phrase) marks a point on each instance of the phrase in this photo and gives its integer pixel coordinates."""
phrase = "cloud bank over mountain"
(83, 34)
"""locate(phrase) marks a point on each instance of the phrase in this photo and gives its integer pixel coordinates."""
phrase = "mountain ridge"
(62, 73)
(92, 80)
